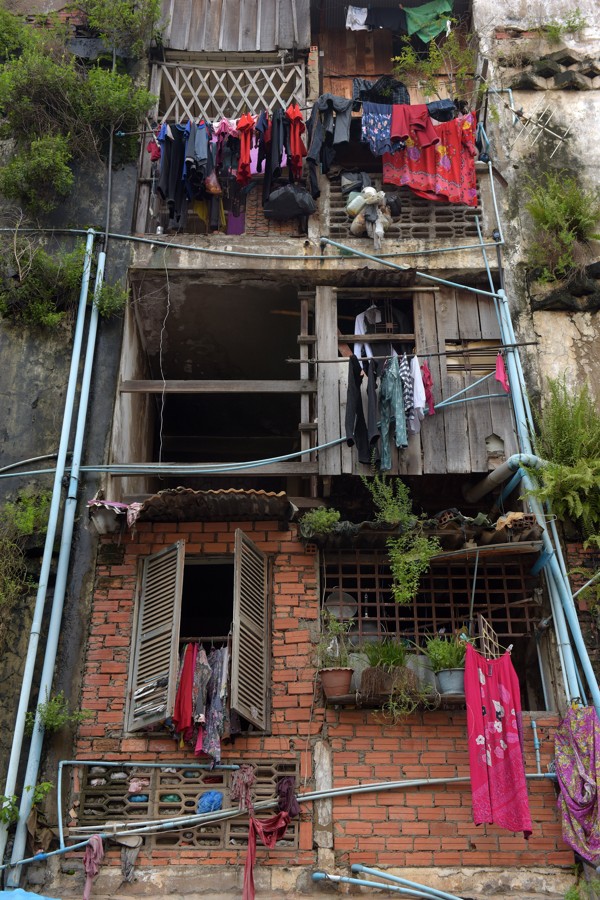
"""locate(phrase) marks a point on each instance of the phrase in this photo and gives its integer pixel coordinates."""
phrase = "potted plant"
(387, 657)
(332, 653)
(447, 654)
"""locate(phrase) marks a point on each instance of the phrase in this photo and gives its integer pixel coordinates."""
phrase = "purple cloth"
(577, 748)
(236, 224)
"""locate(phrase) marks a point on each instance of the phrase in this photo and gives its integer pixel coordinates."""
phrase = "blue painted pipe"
(344, 879)
(433, 892)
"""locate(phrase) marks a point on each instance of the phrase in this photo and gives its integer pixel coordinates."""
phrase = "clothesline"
(424, 354)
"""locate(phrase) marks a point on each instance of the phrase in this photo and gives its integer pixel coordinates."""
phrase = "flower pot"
(451, 681)
(423, 669)
(335, 682)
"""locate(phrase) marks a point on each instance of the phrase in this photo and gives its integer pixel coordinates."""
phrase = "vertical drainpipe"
(36, 624)
(35, 750)
(524, 421)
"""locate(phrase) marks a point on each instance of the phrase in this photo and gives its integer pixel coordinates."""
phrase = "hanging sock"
(501, 375)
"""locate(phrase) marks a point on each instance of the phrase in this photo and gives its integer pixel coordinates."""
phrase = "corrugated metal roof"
(236, 26)
(186, 505)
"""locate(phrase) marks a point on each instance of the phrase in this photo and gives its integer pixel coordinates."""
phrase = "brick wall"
(420, 826)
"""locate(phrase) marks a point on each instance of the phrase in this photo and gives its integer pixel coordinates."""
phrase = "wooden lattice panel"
(188, 91)
(176, 792)
(419, 220)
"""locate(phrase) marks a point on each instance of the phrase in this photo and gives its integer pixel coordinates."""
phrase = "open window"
(206, 600)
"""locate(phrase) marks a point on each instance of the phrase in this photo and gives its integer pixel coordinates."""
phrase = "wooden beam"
(218, 387)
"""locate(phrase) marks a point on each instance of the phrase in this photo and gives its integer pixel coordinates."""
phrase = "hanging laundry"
(442, 110)
(376, 125)
(328, 126)
(92, 859)
(183, 710)
(171, 185)
(414, 122)
(392, 19)
(286, 796)
(577, 748)
(356, 18)
(269, 831)
(386, 89)
(501, 375)
(356, 426)
(245, 127)
(392, 410)
(209, 739)
(419, 398)
(428, 20)
(296, 144)
(445, 172)
(498, 785)
(428, 385)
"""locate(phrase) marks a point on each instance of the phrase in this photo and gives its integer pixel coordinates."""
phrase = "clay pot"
(335, 682)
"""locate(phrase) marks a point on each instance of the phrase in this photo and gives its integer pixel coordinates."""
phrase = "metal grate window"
(503, 594)
(170, 793)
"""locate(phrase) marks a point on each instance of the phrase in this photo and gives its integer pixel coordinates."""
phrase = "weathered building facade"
(229, 421)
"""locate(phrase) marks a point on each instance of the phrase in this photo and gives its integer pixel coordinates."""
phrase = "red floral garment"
(444, 172)
(498, 785)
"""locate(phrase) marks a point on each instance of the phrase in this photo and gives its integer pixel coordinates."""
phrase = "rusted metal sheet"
(235, 26)
(186, 505)
(353, 54)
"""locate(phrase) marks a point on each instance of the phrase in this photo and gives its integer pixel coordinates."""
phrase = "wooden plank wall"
(353, 54)
(453, 440)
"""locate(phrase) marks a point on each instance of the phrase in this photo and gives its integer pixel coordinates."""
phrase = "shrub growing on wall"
(56, 109)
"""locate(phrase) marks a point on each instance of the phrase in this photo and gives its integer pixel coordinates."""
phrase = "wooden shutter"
(251, 650)
(153, 673)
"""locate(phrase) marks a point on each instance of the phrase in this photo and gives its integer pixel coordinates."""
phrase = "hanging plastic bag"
(211, 184)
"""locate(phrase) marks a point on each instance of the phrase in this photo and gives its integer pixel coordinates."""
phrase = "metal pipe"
(182, 469)
(36, 624)
(434, 892)
(345, 879)
(164, 242)
(587, 584)
(565, 604)
(149, 826)
(536, 746)
(469, 400)
(32, 459)
(425, 275)
(60, 587)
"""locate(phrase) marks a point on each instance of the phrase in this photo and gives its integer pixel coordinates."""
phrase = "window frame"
(155, 647)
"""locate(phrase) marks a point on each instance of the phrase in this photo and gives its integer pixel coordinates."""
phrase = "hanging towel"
(577, 747)
(498, 785)
(269, 831)
(419, 398)
(428, 20)
(501, 375)
(93, 856)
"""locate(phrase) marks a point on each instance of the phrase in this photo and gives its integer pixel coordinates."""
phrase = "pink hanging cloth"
(183, 711)
(428, 385)
(269, 831)
(498, 785)
(92, 858)
(501, 375)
